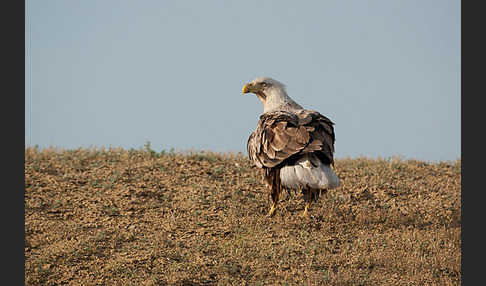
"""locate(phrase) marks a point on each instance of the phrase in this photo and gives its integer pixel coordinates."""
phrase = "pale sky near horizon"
(121, 73)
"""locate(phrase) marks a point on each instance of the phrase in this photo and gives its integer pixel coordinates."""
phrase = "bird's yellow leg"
(308, 200)
(306, 210)
(272, 210)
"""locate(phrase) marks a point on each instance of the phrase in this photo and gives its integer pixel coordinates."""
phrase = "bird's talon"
(305, 214)
(271, 213)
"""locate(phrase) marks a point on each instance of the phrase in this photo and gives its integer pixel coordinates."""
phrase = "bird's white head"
(271, 93)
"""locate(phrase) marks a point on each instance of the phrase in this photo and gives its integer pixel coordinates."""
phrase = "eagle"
(293, 146)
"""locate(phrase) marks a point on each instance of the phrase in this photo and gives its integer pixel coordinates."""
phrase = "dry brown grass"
(118, 217)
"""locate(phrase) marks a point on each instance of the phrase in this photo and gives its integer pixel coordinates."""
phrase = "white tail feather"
(309, 172)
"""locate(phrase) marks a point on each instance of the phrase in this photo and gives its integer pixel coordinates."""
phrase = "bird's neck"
(277, 99)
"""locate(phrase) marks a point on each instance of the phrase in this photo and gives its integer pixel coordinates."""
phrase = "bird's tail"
(309, 172)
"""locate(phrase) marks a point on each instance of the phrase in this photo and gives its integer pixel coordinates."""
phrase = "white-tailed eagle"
(293, 146)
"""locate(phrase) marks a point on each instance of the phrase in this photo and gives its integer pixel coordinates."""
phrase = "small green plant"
(218, 171)
(204, 156)
(148, 148)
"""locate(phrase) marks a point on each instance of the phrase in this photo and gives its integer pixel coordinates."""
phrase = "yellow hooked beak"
(246, 88)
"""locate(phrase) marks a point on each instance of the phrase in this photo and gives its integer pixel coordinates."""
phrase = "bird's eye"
(264, 84)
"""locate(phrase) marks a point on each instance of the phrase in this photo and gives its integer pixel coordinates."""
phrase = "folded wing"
(283, 136)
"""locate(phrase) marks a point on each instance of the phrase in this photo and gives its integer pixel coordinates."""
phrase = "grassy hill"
(138, 217)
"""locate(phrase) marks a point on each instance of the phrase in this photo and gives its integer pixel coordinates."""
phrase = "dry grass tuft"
(138, 217)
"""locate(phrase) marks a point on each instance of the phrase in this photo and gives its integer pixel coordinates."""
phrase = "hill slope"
(120, 217)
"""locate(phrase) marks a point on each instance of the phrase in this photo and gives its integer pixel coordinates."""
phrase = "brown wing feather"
(281, 134)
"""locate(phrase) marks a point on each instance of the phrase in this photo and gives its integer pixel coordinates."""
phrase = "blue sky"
(121, 73)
